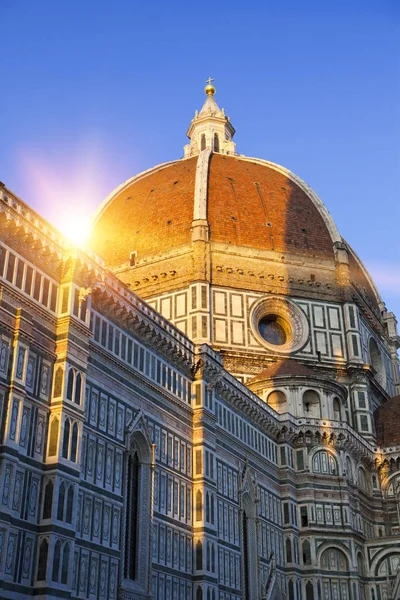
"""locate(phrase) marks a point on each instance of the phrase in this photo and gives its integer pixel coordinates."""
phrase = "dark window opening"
(48, 500)
(132, 514)
(42, 564)
(246, 556)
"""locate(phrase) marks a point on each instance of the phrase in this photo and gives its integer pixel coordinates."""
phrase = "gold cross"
(210, 80)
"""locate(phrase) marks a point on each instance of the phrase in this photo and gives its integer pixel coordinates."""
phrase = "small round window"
(273, 330)
(279, 325)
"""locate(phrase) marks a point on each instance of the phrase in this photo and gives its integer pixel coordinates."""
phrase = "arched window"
(291, 590)
(288, 547)
(334, 560)
(277, 401)
(48, 500)
(70, 384)
(70, 504)
(334, 569)
(65, 564)
(208, 594)
(53, 437)
(311, 404)
(306, 552)
(216, 142)
(246, 557)
(56, 561)
(199, 593)
(212, 558)
(203, 142)
(362, 479)
(336, 410)
(199, 505)
(67, 426)
(207, 507)
(78, 389)
(213, 595)
(132, 513)
(42, 562)
(309, 591)
(199, 556)
(324, 463)
(208, 560)
(61, 500)
(58, 380)
(74, 441)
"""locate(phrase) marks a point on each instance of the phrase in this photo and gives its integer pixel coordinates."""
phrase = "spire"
(210, 128)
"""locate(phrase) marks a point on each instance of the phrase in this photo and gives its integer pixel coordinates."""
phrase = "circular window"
(273, 330)
(279, 325)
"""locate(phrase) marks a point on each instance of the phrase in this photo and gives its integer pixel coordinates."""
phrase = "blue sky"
(94, 92)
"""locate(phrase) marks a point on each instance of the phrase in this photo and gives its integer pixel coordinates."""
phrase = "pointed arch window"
(246, 555)
(74, 442)
(61, 500)
(288, 546)
(70, 384)
(67, 427)
(203, 142)
(216, 142)
(65, 564)
(309, 591)
(306, 552)
(131, 529)
(70, 504)
(138, 466)
(78, 389)
(56, 561)
(199, 556)
(42, 562)
(48, 500)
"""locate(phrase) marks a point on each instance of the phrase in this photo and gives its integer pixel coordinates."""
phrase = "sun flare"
(76, 226)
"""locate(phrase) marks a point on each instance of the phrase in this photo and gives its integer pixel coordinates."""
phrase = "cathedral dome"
(250, 203)
(265, 229)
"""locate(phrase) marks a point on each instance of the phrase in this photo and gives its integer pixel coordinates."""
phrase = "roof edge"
(103, 206)
(319, 205)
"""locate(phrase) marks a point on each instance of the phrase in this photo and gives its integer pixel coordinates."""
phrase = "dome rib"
(319, 205)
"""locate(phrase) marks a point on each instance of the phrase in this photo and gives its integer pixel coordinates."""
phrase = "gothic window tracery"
(323, 462)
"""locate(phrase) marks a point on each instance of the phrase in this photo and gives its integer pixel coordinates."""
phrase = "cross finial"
(210, 80)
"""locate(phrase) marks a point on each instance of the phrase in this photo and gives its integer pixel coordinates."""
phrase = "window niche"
(136, 526)
(277, 400)
(311, 404)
